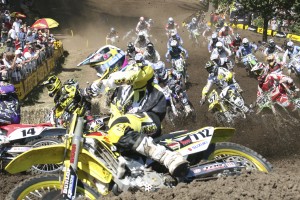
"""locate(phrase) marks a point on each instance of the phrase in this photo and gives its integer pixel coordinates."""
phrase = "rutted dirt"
(91, 20)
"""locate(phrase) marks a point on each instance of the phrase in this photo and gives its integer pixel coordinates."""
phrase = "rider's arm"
(184, 51)
(157, 55)
(206, 88)
(285, 56)
(266, 52)
(167, 54)
(279, 48)
(137, 27)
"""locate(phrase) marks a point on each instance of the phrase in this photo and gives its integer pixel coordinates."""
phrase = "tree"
(268, 9)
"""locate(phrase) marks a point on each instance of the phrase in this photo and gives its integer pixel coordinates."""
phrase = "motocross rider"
(274, 66)
(151, 54)
(131, 51)
(141, 42)
(278, 85)
(192, 26)
(113, 34)
(220, 55)
(235, 45)
(138, 107)
(171, 26)
(9, 103)
(225, 31)
(246, 49)
(222, 78)
(291, 51)
(272, 48)
(175, 51)
(142, 25)
(212, 43)
(175, 36)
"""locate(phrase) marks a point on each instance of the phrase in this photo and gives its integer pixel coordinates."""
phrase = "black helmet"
(130, 47)
(150, 47)
(272, 43)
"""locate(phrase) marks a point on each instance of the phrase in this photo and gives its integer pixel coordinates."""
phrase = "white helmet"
(170, 20)
(290, 45)
(173, 33)
(142, 19)
(194, 20)
(245, 40)
(219, 45)
(173, 43)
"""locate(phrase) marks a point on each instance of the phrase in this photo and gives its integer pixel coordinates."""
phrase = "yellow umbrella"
(45, 23)
(17, 15)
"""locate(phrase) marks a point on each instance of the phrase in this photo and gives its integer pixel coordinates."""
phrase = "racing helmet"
(150, 47)
(194, 20)
(53, 85)
(174, 43)
(271, 60)
(226, 26)
(174, 34)
(130, 47)
(142, 19)
(170, 20)
(72, 82)
(141, 36)
(214, 37)
(160, 71)
(139, 58)
(245, 42)
(237, 37)
(210, 66)
(271, 43)
(112, 29)
(219, 46)
(69, 98)
(290, 45)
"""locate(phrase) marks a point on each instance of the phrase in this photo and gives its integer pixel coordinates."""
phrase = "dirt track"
(90, 21)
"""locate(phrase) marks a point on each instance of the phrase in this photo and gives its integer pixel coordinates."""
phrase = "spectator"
(10, 47)
(4, 34)
(19, 57)
(22, 37)
(17, 43)
(12, 33)
(17, 24)
(274, 26)
(8, 60)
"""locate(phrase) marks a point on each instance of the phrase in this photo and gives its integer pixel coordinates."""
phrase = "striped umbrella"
(45, 23)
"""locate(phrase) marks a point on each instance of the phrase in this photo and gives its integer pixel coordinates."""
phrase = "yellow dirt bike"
(93, 166)
(227, 106)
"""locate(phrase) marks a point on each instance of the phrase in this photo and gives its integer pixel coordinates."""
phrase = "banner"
(24, 87)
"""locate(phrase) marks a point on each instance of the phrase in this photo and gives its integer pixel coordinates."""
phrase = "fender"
(222, 134)
(87, 162)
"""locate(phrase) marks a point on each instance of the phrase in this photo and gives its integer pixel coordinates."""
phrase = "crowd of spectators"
(22, 47)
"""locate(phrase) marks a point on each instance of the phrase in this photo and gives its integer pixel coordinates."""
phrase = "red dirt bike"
(18, 138)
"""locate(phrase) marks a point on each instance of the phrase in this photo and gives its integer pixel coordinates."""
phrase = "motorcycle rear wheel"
(47, 187)
(45, 168)
(235, 152)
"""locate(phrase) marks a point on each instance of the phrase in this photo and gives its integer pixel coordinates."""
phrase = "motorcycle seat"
(170, 135)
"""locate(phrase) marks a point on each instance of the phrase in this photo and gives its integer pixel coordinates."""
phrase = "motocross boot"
(174, 161)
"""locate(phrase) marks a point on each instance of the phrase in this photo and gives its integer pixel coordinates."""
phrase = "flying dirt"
(83, 28)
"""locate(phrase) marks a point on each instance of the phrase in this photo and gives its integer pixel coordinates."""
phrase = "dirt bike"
(265, 99)
(195, 36)
(294, 66)
(178, 107)
(170, 31)
(227, 106)
(94, 166)
(180, 66)
(249, 61)
(18, 138)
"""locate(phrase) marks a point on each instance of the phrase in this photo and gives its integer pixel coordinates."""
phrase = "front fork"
(70, 176)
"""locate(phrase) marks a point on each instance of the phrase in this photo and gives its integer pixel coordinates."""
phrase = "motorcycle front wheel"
(47, 187)
(238, 153)
(45, 168)
(221, 119)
